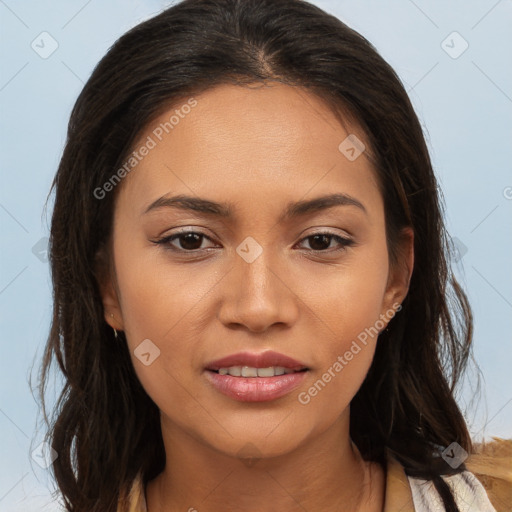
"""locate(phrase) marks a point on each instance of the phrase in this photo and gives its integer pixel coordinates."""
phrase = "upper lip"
(256, 360)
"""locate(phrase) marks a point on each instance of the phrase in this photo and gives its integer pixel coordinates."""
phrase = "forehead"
(259, 137)
(252, 119)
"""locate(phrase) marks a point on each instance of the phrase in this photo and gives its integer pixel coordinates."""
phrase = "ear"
(105, 276)
(400, 273)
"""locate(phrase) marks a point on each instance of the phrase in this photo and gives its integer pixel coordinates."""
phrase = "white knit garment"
(469, 494)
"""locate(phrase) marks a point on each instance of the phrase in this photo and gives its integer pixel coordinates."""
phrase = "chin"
(257, 443)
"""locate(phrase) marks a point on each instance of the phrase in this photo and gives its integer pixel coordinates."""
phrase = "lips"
(257, 360)
(260, 389)
(240, 377)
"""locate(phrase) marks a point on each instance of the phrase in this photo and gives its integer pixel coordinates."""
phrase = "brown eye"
(187, 241)
(190, 241)
(321, 241)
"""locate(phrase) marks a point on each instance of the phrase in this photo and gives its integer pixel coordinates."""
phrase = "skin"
(259, 148)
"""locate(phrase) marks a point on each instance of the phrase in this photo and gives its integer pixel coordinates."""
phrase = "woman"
(216, 355)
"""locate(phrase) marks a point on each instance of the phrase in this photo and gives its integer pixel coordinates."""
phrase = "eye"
(191, 241)
(320, 242)
(188, 240)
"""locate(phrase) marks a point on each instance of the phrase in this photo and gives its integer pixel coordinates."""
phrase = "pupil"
(323, 238)
(190, 239)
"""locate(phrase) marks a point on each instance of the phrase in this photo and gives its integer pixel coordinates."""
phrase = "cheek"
(332, 387)
(347, 308)
(346, 298)
(348, 323)
(159, 298)
(157, 306)
(165, 304)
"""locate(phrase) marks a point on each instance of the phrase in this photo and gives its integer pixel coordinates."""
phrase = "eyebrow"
(226, 210)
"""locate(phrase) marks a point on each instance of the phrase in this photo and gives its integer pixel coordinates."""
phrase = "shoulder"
(467, 490)
(134, 499)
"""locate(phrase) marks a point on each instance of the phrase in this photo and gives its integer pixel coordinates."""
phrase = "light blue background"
(465, 105)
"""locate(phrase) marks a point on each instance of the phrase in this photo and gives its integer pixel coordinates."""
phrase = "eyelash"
(166, 242)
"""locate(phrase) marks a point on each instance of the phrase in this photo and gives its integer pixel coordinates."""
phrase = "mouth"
(251, 384)
(251, 364)
(255, 377)
(254, 372)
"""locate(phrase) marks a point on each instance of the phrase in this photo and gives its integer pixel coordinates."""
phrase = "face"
(265, 268)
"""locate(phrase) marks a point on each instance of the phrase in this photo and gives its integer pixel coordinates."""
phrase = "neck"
(325, 473)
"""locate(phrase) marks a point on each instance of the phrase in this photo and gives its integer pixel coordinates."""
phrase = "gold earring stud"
(115, 332)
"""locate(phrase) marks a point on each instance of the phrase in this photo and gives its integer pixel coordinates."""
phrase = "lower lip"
(255, 389)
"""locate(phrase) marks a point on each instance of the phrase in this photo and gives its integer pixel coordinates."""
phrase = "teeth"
(269, 372)
(249, 371)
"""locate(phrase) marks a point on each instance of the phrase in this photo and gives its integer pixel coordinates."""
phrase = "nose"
(256, 296)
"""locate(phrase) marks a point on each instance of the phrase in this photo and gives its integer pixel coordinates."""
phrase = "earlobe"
(109, 295)
(400, 274)
(111, 308)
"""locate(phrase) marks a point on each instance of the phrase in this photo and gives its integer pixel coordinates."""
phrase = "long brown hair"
(104, 427)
